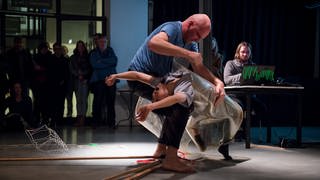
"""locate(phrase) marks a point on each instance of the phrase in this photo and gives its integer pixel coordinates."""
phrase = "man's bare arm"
(160, 44)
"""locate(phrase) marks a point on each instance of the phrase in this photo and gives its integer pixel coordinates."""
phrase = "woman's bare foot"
(160, 151)
(173, 163)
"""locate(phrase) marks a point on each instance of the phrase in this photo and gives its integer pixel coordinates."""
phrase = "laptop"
(258, 75)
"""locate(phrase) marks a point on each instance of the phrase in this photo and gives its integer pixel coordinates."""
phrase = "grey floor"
(262, 161)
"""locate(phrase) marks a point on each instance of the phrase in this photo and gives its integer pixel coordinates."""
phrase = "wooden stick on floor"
(267, 147)
(126, 174)
(143, 173)
(72, 158)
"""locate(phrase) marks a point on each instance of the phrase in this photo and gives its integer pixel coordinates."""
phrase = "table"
(248, 91)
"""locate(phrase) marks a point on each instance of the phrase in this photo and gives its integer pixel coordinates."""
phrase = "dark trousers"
(103, 99)
(57, 104)
(42, 100)
(174, 117)
(174, 123)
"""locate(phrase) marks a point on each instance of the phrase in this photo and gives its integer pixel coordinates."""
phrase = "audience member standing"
(70, 83)
(58, 77)
(20, 64)
(104, 62)
(40, 84)
(81, 69)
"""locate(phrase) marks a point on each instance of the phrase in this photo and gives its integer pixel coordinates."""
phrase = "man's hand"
(219, 93)
(195, 59)
(142, 113)
(110, 80)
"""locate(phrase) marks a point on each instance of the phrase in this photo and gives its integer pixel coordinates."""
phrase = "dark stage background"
(281, 33)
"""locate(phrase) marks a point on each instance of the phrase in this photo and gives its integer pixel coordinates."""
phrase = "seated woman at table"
(232, 76)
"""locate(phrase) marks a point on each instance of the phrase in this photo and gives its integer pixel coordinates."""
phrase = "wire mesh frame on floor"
(46, 139)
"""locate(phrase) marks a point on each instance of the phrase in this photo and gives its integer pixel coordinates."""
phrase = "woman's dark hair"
(76, 51)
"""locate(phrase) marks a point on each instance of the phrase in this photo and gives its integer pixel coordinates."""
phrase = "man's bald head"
(202, 20)
(196, 27)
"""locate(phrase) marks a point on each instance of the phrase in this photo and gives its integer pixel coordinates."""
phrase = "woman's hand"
(143, 113)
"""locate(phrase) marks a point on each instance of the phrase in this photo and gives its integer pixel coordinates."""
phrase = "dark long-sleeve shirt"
(103, 63)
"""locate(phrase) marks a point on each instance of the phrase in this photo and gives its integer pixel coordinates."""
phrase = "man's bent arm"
(160, 44)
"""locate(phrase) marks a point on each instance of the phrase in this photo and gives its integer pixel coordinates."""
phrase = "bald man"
(155, 57)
